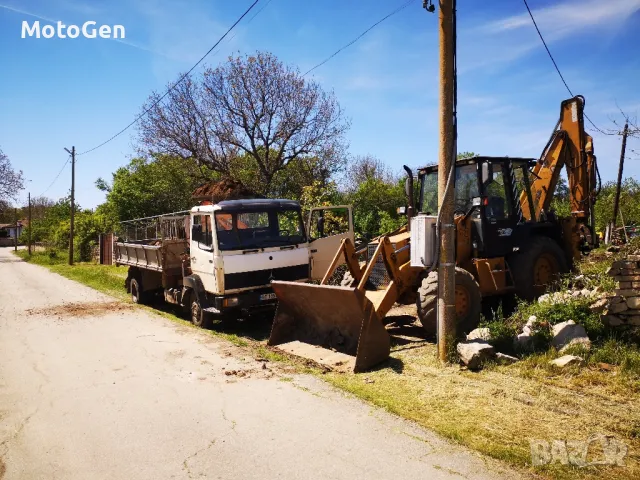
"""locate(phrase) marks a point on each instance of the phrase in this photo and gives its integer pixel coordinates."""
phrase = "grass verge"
(496, 411)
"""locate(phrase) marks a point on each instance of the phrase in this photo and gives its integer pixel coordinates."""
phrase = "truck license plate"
(267, 296)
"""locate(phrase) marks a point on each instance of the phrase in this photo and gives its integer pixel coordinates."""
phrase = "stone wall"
(624, 308)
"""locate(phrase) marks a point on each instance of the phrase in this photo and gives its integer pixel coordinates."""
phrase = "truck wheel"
(468, 302)
(538, 264)
(199, 317)
(137, 295)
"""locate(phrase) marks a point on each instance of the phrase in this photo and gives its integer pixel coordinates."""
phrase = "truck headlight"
(230, 302)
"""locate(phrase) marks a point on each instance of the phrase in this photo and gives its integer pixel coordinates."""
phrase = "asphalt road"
(105, 391)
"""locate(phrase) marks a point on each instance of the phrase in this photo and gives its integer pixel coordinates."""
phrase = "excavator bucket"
(334, 326)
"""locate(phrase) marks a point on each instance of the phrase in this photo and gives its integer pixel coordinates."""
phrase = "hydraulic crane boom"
(572, 148)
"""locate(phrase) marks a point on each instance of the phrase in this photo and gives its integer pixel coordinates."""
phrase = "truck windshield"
(259, 229)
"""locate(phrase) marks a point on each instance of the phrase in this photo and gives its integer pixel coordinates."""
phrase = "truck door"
(202, 250)
(327, 227)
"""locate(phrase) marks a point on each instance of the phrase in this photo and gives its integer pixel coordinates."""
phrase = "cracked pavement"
(127, 394)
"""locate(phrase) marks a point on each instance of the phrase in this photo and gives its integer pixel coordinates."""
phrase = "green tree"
(629, 204)
(147, 187)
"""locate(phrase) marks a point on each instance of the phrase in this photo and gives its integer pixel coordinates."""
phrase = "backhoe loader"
(508, 240)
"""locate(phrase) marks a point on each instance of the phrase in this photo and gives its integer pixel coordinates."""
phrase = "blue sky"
(56, 93)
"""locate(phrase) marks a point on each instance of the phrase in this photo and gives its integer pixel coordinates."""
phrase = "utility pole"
(73, 200)
(15, 235)
(446, 162)
(616, 203)
(29, 230)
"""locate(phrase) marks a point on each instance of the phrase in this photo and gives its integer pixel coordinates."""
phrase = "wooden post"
(446, 268)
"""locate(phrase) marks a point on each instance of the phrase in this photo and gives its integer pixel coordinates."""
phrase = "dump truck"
(508, 241)
(218, 260)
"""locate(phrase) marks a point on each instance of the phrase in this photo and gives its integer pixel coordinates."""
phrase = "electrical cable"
(556, 65)
(57, 176)
(175, 84)
(397, 10)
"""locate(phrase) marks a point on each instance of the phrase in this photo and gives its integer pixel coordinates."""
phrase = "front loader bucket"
(333, 326)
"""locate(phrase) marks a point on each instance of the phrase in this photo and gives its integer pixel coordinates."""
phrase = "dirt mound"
(80, 309)
(223, 190)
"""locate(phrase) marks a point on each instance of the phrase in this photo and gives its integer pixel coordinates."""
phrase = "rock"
(504, 359)
(616, 299)
(613, 249)
(529, 327)
(544, 298)
(479, 334)
(633, 302)
(634, 320)
(576, 294)
(568, 361)
(612, 272)
(567, 334)
(611, 320)
(599, 306)
(474, 354)
(523, 341)
(618, 307)
(627, 292)
(585, 292)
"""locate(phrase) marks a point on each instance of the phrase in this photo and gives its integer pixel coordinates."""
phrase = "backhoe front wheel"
(537, 266)
(468, 302)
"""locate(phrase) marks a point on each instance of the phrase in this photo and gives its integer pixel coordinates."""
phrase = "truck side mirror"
(487, 172)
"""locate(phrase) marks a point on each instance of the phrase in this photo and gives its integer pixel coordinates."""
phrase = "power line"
(400, 8)
(556, 65)
(57, 176)
(175, 84)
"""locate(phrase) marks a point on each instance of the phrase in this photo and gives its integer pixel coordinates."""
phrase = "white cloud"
(562, 19)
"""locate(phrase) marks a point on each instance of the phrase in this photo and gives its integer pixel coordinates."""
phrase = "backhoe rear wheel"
(537, 266)
(468, 302)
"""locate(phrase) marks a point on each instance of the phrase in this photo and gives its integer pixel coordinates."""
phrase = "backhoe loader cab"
(488, 194)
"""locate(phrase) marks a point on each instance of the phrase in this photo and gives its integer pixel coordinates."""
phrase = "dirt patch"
(81, 309)
(223, 190)
(3, 469)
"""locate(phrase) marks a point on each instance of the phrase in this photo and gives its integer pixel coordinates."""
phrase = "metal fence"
(168, 226)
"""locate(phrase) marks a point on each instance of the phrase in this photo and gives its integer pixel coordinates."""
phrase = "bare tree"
(253, 107)
(366, 167)
(11, 181)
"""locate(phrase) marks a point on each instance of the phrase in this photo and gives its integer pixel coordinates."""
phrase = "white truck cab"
(237, 247)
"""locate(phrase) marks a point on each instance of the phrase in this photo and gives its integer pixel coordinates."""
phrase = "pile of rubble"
(477, 350)
(624, 307)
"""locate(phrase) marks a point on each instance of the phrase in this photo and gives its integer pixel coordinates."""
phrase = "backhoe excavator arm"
(572, 148)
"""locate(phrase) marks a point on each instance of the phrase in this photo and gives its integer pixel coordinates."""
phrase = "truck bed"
(157, 255)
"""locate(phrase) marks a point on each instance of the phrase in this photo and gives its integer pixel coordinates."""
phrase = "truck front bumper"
(253, 301)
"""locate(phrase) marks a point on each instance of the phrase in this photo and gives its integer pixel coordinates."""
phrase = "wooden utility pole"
(29, 228)
(616, 203)
(446, 268)
(73, 201)
(15, 232)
